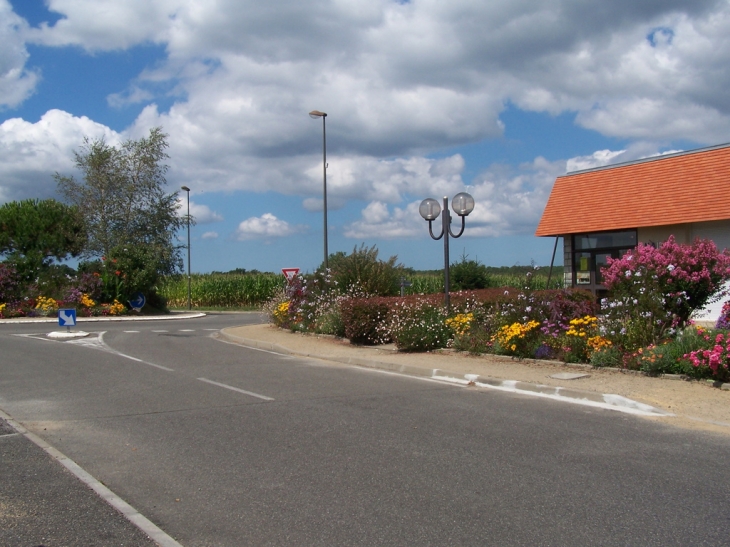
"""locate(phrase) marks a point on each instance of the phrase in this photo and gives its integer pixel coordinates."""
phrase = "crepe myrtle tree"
(130, 219)
(680, 278)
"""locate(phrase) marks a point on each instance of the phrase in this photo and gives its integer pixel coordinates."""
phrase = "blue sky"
(424, 99)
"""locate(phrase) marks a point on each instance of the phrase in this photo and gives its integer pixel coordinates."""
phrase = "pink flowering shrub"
(686, 276)
(715, 358)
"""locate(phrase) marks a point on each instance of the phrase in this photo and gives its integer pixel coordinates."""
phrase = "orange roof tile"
(674, 189)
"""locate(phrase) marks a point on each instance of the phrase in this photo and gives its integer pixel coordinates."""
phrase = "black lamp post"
(463, 204)
(314, 114)
(187, 190)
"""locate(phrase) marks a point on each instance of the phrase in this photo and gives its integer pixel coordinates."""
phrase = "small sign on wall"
(583, 278)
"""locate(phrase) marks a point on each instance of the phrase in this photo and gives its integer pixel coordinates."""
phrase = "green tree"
(363, 271)
(35, 233)
(127, 212)
(467, 275)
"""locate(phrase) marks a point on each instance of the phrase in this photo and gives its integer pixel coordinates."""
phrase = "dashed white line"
(226, 386)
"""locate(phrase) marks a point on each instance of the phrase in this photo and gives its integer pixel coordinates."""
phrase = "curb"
(614, 402)
(175, 316)
(155, 533)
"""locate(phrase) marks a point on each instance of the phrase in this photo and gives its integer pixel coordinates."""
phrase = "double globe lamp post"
(430, 209)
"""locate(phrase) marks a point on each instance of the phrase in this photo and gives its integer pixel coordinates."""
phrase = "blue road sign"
(67, 318)
(138, 301)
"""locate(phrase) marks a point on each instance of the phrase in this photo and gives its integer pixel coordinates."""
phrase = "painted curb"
(130, 513)
(615, 401)
(22, 320)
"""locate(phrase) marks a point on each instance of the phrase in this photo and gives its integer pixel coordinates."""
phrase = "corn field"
(252, 290)
(434, 283)
(221, 290)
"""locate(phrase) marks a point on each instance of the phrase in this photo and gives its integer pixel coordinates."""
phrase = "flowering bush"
(115, 308)
(686, 277)
(9, 283)
(713, 360)
(723, 322)
(363, 318)
(518, 339)
(417, 325)
(46, 305)
(461, 323)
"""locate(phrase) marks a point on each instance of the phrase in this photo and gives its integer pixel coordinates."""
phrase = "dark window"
(606, 240)
(591, 253)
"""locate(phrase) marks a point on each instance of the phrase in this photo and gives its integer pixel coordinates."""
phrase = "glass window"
(605, 240)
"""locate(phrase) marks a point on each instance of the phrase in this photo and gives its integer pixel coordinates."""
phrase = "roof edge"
(646, 160)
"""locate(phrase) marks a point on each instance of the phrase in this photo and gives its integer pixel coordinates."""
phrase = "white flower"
(628, 273)
(670, 267)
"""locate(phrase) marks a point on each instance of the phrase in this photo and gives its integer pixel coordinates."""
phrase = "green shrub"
(607, 357)
(468, 275)
(363, 272)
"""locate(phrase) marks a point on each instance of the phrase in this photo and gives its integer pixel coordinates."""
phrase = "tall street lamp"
(187, 190)
(463, 204)
(314, 114)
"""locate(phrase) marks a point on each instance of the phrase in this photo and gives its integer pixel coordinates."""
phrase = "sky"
(424, 98)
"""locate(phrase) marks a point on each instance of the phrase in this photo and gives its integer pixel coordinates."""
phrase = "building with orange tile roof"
(605, 211)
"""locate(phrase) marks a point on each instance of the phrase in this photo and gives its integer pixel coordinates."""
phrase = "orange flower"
(117, 272)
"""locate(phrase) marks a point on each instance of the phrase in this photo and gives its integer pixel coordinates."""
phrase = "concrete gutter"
(590, 398)
(172, 316)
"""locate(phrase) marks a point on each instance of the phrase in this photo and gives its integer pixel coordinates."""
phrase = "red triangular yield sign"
(290, 273)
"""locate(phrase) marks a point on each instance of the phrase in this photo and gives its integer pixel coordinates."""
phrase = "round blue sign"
(137, 302)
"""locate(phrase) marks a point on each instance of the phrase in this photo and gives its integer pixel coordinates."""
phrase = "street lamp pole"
(463, 204)
(187, 190)
(314, 114)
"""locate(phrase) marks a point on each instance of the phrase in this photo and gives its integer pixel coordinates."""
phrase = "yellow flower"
(46, 304)
(461, 323)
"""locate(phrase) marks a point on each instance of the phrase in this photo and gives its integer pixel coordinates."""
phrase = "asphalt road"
(221, 445)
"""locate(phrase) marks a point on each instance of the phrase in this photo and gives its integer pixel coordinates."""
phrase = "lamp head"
(429, 209)
(185, 188)
(314, 114)
(462, 204)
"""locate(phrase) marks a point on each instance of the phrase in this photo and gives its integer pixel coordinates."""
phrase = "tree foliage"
(34, 233)
(363, 271)
(468, 275)
(127, 212)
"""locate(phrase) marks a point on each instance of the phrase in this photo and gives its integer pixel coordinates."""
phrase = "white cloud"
(378, 222)
(16, 81)
(508, 202)
(202, 214)
(398, 80)
(209, 235)
(266, 226)
(32, 152)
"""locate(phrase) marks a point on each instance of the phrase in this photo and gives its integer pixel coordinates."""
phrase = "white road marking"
(130, 331)
(129, 512)
(159, 331)
(187, 330)
(264, 397)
